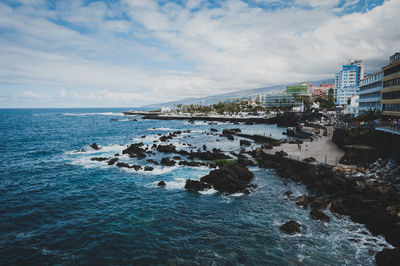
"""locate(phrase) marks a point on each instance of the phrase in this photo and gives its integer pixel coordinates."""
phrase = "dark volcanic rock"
(166, 148)
(287, 193)
(95, 147)
(195, 185)
(231, 131)
(309, 160)
(245, 142)
(135, 150)
(148, 168)
(303, 200)
(136, 167)
(123, 165)
(214, 130)
(268, 146)
(230, 179)
(318, 215)
(177, 157)
(208, 156)
(167, 162)
(204, 147)
(99, 159)
(230, 137)
(161, 183)
(291, 227)
(281, 153)
(246, 161)
(112, 161)
(389, 257)
(152, 161)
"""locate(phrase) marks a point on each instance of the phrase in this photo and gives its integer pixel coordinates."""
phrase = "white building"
(352, 108)
(347, 81)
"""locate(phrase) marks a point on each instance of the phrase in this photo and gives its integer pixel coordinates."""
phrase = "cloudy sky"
(109, 53)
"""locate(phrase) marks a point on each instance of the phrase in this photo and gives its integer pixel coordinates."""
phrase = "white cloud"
(32, 95)
(166, 52)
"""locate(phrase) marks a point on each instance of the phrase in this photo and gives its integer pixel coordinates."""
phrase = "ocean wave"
(113, 148)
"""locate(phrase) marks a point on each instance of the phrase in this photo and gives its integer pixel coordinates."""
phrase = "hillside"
(228, 96)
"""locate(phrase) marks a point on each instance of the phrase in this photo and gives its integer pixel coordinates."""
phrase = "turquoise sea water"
(58, 207)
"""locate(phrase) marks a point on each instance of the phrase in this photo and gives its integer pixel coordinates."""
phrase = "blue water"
(58, 207)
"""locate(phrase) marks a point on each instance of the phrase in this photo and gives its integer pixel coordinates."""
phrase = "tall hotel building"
(391, 87)
(370, 93)
(347, 81)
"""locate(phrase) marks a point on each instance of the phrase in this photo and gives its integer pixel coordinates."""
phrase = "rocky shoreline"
(375, 204)
(369, 195)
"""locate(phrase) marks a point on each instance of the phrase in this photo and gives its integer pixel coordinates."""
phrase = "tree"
(331, 99)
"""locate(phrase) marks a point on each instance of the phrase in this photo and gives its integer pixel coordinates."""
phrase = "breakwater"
(374, 204)
(252, 120)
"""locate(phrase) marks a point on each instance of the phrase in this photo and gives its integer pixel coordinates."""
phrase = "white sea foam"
(177, 183)
(159, 170)
(208, 191)
(114, 148)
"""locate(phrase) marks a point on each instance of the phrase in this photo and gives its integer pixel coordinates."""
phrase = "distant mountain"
(230, 96)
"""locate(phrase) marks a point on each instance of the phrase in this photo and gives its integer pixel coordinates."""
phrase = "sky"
(130, 53)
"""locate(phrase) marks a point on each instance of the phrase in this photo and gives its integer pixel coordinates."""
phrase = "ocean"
(59, 207)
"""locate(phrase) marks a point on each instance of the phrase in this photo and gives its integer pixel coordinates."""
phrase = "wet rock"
(166, 148)
(165, 138)
(167, 162)
(112, 161)
(135, 150)
(136, 167)
(214, 130)
(287, 193)
(177, 157)
(161, 183)
(246, 161)
(122, 165)
(152, 161)
(116, 155)
(195, 185)
(204, 147)
(98, 159)
(230, 137)
(318, 215)
(245, 142)
(148, 168)
(388, 257)
(95, 147)
(302, 200)
(291, 227)
(319, 204)
(183, 152)
(231, 131)
(309, 160)
(281, 153)
(208, 156)
(230, 179)
(268, 146)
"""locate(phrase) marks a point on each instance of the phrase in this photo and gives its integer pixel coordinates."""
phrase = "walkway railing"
(389, 125)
